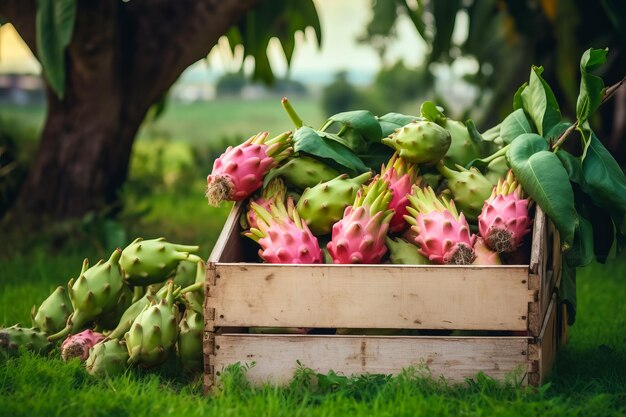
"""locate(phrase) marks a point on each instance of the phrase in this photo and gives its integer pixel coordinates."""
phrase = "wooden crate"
(512, 306)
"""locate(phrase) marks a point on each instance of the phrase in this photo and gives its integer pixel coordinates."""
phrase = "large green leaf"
(544, 178)
(431, 112)
(539, 102)
(604, 180)
(517, 97)
(572, 165)
(514, 125)
(55, 25)
(308, 140)
(392, 121)
(361, 121)
(591, 86)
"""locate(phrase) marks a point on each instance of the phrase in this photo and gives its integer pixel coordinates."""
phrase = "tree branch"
(608, 93)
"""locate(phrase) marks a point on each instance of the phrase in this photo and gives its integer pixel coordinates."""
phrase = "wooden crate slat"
(229, 246)
(537, 251)
(275, 356)
(372, 296)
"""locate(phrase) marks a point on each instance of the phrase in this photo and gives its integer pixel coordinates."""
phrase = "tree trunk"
(122, 58)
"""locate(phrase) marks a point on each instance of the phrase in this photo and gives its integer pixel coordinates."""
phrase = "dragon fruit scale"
(504, 220)
(283, 236)
(78, 345)
(443, 234)
(359, 238)
(420, 142)
(239, 171)
(274, 191)
(401, 176)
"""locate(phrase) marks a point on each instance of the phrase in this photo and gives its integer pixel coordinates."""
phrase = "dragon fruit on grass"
(283, 236)
(504, 220)
(359, 238)
(78, 345)
(239, 171)
(443, 234)
(401, 176)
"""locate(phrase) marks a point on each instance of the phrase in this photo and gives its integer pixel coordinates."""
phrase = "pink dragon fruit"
(239, 171)
(504, 220)
(359, 238)
(275, 191)
(283, 236)
(78, 345)
(442, 234)
(401, 176)
(484, 255)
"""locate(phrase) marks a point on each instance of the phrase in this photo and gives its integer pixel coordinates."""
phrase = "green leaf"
(591, 86)
(514, 125)
(431, 112)
(604, 180)
(361, 121)
(392, 121)
(539, 102)
(567, 290)
(544, 178)
(54, 25)
(572, 165)
(308, 140)
(603, 231)
(582, 253)
(556, 131)
(517, 97)
(483, 146)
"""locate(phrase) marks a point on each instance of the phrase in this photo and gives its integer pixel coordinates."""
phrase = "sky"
(342, 22)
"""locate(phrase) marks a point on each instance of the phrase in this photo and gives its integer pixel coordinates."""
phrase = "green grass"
(590, 377)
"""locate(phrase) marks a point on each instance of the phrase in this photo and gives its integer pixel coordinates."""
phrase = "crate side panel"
(229, 246)
(275, 357)
(548, 342)
(471, 298)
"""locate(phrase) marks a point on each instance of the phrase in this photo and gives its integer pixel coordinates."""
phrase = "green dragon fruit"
(462, 150)
(420, 142)
(283, 236)
(52, 314)
(405, 253)
(96, 291)
(469, 188)
(496, 169)
(303, 172)
(442, 234)
(15, 337)
(275, 191)
(154, 332)
(484, 255)
(107, 359)
(401, 176)
(504, 220)
(185, 273)
(78, 345)
(239, 171)
(359, 237)
(110, 320)
(190, 340)
(147, 262)
(131, 313)
(323, 205)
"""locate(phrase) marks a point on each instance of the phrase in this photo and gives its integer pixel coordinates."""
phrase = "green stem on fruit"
(498, 154)
(291, 112)
(193, 287)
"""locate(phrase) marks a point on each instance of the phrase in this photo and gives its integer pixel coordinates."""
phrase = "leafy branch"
(608, 93)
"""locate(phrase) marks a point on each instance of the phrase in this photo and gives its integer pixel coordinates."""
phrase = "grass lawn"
(590, 378)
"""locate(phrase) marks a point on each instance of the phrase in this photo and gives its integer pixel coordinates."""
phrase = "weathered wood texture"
(543, 349)
(229, 245)
(456, 358)
(371, 296)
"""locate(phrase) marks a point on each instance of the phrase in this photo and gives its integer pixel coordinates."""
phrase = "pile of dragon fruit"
(421, 207)
(142, 307)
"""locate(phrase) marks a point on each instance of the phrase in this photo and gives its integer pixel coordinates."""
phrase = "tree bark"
(122, 58)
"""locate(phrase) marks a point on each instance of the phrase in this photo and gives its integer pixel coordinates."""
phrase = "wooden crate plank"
(537, 251)
(371, 296)
(548, 344)
(229, 247)
(456, 358)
